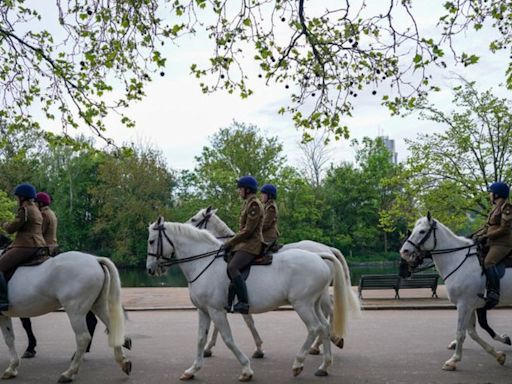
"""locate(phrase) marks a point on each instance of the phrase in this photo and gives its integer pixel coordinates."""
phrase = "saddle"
(501, 266)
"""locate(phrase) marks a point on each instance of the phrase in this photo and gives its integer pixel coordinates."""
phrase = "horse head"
(420, 241)
(160, 248)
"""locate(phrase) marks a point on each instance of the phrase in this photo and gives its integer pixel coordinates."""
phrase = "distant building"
(390, 145)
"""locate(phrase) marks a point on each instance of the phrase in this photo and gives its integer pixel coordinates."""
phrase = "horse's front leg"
(202, 337)
(258, 353)
(221, 322)
(499, 355)
(213, 340)
(14, 362)
(463, 317)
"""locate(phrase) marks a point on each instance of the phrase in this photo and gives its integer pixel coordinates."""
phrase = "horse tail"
(112, 292)
(341, 297)
(353, 300)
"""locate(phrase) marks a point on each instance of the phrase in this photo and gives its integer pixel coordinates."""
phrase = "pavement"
(158, 298)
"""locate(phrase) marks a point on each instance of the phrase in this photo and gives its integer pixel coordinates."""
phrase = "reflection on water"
(174, 277)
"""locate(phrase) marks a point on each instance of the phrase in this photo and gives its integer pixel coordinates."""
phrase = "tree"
(235, 151)
(327, 54)
(449, 172)
(315, 157)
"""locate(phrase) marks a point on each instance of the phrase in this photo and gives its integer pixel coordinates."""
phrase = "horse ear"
(429, 216)
(208, 209)
(160, 220)
(409, 233)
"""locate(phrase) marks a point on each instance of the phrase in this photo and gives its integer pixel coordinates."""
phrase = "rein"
(433, 251)
(170, 262)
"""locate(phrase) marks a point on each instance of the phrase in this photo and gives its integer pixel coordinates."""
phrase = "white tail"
(353, 300)
(341, 297)
(112, 291)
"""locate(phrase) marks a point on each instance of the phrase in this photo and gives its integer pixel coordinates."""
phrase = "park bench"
(421, 281)
(396, 282)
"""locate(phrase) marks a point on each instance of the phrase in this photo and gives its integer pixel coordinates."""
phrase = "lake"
(174, 277)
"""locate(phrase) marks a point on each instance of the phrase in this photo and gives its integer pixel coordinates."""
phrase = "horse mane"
(192, 232)
(450, 232)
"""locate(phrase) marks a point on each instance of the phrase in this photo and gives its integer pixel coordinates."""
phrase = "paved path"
(387, 346)
(178, 298)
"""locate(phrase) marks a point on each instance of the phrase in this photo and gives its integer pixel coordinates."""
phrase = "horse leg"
(202, 337)
(221, 322)
(91, 321)
(307, 314)
(315, 348)
(463, 317)
(498, 355)
(32, 342)
(258, 353)
(100, 310)
(324, 334)
(213, 340)
(14, 362)
(82, 338)
(482, 321)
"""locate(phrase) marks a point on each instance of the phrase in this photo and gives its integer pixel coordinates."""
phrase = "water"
(174, 277)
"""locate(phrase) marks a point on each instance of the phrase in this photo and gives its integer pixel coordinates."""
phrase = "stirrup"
(242, 308)
(228, 308)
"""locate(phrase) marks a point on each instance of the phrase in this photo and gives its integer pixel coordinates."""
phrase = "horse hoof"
(501, 357)
(127, 343)
(244, 377)
(187, 376)
(321, 372)
(452, 345)
(338, 341)
(507, 340)
(258, 355)
(449, 367)
(207, 353)
(314, 351)
(9, 375)
(297, 371)
(65, 379)
(127, 367)
(28, 354)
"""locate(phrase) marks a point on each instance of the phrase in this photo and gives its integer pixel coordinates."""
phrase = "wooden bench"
(379, 282)
(421, 281)
(396, 282)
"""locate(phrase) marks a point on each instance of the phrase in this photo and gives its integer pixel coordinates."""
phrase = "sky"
(177, 118)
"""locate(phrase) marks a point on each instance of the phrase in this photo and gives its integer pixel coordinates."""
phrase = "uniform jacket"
(269, 229)
(49, 228)
(28, 227)
(498, 229)
(249, 237)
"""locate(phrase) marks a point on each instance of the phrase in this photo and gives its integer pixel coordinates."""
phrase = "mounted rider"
(270, 231)
(49, 229)
(246, 245)
(497, 232)
(28, 243)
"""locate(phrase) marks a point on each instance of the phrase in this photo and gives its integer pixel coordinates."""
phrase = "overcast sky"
(178, 119)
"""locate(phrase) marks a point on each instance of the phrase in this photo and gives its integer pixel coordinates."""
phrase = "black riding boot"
(4, 301)
(493, 287)
(241, 292)
(231, 297)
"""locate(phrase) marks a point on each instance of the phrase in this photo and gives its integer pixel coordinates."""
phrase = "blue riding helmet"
(500, 189)
(25, 190)
(270, 190)
(248, 182)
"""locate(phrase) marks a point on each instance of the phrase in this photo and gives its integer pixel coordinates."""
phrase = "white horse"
(207, 219)
(457, 262)
(295, 277)
(77, 282)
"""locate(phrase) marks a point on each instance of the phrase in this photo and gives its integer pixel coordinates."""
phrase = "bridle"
(426, 253)
(203, 224)
(169, 261)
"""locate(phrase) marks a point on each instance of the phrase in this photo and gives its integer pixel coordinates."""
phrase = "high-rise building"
(390, 145)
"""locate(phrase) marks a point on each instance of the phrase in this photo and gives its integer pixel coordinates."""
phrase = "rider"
(269, 230)
(247, 243)
(44, 200)
(29, 241)
(498, 234)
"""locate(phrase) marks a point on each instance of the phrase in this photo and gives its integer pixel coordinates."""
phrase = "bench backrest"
(420, 281)
(368, 281)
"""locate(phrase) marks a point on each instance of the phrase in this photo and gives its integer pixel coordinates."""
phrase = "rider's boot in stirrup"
(241, 292)
(493, 287)
(4, 302)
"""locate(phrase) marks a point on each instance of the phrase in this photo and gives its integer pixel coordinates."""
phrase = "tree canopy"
(77, 61)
